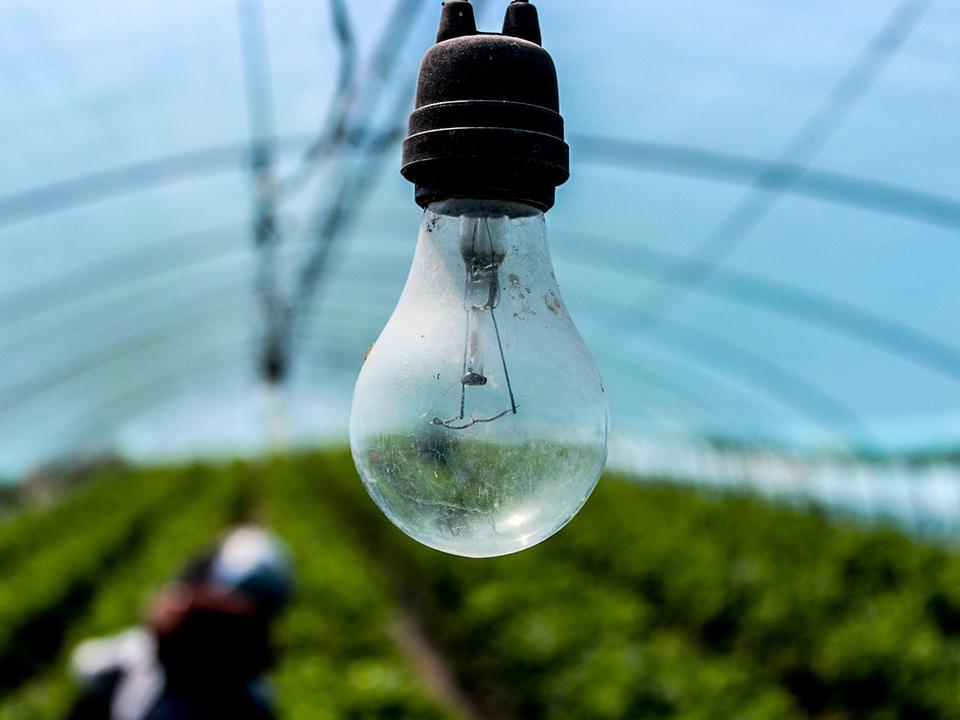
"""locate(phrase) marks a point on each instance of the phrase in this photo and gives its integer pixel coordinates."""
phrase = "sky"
(128, 320)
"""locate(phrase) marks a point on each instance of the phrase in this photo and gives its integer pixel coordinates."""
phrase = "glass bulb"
(479, 421)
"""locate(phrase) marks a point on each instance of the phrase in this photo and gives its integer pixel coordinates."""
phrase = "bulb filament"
(481, 294)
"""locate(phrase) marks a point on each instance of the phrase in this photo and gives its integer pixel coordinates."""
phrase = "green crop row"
(46, 590)
(855, 622)
(339, 660)
(538, 638)
(201, 503)
(659, 601)
(533, 636)
(24, 535)
(338, 657)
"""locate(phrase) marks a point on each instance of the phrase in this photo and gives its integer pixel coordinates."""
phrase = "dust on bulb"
(479, 421)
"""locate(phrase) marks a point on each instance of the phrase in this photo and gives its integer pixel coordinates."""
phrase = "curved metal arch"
(744, 288)
(207, 290)
(104, 413)
(198, 302)
(790, 387)
(817, 406)
(635, 375)
(780, 298)
(182, 324)
(90, 277)
(771, 175)
(655, 157)
(660, 383)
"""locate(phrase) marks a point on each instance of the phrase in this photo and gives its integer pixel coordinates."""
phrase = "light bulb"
(479, 421)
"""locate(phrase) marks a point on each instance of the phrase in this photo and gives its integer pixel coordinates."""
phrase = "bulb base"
(487, 122)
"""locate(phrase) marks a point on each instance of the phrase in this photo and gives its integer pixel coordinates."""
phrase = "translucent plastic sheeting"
(758, 243)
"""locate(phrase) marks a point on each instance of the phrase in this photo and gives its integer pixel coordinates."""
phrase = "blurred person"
(206, 644)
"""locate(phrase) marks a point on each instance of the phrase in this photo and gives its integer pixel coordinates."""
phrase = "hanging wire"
(355, 179)
(791, 165)
(333, 132)
(352, 185)
(272, 360)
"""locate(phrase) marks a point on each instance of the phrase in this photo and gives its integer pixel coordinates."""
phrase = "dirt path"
(430, 665)
(408, 628)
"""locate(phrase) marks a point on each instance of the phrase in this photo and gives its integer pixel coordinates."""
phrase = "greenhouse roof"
(758, 241)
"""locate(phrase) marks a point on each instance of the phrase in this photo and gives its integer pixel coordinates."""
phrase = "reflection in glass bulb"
(479, 422)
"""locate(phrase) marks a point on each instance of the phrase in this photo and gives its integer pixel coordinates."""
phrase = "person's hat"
(255, 563)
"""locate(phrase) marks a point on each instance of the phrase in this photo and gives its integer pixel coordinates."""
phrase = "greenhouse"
(319, 324)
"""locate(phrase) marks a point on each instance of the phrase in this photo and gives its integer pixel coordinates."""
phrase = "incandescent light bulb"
(479, 421)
